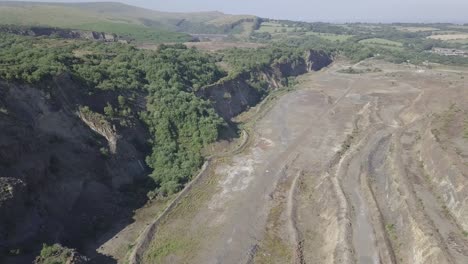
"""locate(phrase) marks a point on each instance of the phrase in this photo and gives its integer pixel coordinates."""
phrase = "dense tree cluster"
(21, 59)
(181, 124)
(248, 60)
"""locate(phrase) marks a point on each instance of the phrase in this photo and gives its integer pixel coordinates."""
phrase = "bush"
(54, 254)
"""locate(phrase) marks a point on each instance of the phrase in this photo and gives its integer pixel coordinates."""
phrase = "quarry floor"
(332, 174)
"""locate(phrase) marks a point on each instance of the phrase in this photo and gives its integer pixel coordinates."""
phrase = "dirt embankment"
(444, 156)
(234, 96)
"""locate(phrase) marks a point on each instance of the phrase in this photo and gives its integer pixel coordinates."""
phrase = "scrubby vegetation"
(248, 60)
(54, 254)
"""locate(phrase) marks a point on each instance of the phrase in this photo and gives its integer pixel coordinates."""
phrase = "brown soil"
(346, 168)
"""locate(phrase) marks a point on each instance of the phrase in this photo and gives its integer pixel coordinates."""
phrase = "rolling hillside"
(139, 23)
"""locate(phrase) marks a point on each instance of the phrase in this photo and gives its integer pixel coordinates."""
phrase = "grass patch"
(176, 234)
(54, 254)
(177, 245)
(391, 231)
(381, 42)
(416, 29)
(137, 32)
(448, 37)
(330, 36)
(139, 24)
(272, 28)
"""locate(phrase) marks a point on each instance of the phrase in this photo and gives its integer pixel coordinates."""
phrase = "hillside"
(130, 21)
(129, 135)
(91, 130)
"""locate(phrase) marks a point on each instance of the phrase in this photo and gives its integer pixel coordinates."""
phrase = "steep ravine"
(67, 175)
(231, 97)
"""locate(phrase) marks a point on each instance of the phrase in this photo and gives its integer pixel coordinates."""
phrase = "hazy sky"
(323, 10)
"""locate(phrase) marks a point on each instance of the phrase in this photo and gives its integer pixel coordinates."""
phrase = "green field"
(330, 36)
(380, 41)
(272, 28)
(136, 32)
(143, 25)
(278, 29)
(416, 29)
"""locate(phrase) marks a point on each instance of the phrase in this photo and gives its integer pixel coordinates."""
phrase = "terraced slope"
(367, 168)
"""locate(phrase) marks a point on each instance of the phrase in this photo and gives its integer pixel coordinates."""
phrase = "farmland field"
(380, 41)
(330, 36)
(455, 36)
(416, 29)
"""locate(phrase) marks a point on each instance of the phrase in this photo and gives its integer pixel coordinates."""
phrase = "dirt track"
(336, 172)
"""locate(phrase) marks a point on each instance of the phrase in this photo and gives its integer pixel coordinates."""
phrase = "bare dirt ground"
(347, 168)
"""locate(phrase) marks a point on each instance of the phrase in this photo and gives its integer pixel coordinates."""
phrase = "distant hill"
(139, 23)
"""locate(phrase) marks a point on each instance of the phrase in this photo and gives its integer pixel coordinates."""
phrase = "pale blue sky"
(323, 10)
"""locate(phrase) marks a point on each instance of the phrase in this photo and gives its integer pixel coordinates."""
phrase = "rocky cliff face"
(62, 33)
(231, 97)
(234, 96)
(56, 182)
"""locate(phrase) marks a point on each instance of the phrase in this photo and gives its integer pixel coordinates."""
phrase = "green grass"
(275, 29)
(278, 29)
(137, 32)
(330, 36)
(383, 43)
(141, 24)
(416, 29)
(391, 231)
(57, 16)
(380, 41)
(176, 233)
(272, 28)
(54, 254)
(79, 18)
(465, 233)
(179, 244)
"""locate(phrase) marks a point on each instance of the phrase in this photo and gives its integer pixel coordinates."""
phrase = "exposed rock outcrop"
(445, 170)
(233, 96)
(100, 125)
(62, 33)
